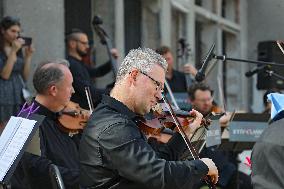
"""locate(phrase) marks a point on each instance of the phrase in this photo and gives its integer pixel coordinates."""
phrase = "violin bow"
(171, 95)
(221, 93)
(222, 100)
(190, 147)
(178, 108)
(176, 121)
(89, 99)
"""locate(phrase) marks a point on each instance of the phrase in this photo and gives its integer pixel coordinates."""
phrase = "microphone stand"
(269, 72)
(272, 73)
(224, 58)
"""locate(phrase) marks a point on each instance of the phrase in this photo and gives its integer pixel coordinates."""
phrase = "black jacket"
(56, 147)
(115, 154)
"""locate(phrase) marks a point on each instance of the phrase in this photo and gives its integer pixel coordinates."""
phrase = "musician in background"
(201, 99)
(115, 154)
(77, 48)
(53, 83)
(176, 79)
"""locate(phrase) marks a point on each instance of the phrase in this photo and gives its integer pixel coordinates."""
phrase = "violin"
(164, 120)
(72, 119)
(216, 109)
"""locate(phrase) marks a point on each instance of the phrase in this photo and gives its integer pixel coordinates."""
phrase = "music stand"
(25, 115)
(244, 131)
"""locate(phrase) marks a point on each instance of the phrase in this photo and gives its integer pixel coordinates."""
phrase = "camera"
(28, 41)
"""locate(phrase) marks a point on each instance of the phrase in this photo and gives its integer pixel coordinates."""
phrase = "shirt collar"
(118, 106)
(74, 59)
(42, 110)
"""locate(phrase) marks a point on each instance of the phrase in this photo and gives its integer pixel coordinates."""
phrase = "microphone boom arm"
(224, 58)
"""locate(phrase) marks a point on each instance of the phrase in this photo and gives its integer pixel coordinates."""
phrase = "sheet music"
(12, 141)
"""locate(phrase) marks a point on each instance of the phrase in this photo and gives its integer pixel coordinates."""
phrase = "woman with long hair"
(14, 67)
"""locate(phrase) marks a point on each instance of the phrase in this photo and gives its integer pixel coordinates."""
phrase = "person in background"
(201, 99)
(176, 79)
(77, 48)
(14, 67)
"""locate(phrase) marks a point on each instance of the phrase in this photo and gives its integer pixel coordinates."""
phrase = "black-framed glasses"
(159, 85)
(83, 42)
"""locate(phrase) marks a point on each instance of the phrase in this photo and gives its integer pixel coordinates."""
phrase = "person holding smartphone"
(14, 67)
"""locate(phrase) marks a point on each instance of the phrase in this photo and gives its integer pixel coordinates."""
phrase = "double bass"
(104, 38)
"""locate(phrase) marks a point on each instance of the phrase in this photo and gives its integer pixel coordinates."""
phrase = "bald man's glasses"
(86, 43)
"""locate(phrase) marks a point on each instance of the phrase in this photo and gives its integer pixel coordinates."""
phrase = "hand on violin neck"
(225, 119)
(194, 123)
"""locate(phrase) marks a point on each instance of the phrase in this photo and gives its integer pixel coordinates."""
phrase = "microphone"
(200, 75)
(256, 70)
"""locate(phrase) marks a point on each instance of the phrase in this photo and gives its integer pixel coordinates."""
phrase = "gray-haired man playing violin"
(114, 153)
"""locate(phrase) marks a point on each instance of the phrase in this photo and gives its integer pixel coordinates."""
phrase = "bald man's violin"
(72, 119)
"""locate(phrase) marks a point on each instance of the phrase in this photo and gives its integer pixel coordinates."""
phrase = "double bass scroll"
(184, 53)
(97, 24)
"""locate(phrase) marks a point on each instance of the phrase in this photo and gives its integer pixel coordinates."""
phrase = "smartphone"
(28, 41)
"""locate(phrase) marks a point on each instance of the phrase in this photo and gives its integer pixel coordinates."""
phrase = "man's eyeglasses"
(205, 100)
(83, 42)
(159, 85)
